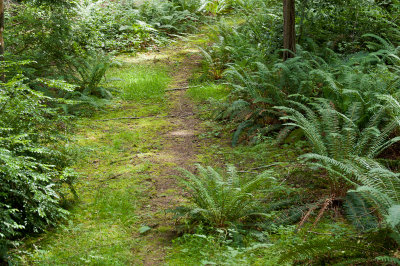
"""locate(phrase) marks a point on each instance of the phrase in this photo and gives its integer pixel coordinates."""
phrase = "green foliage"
(381, 188)
(377, 192)
(336, 250)
(190, 5)
(122, 30)
(359, 212)
(216, 7)
(87, 72)
(139, 83)
(169, 17)
(204, 92)
(68, 41)
(244, 55)
(341, 24)
(202, 249)
(337, 140)
(223, 199)
(32, 172)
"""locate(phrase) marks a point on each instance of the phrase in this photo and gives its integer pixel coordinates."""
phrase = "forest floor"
(129, 156)
(129, 168)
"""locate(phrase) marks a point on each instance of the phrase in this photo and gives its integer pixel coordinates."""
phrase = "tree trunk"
(289, 30)
(2, 74)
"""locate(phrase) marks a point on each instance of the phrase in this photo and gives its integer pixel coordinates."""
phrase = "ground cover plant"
(332, 92)
(54, 69)
(284, 116)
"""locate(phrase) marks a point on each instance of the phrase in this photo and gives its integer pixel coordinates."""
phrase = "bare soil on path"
(179, 151)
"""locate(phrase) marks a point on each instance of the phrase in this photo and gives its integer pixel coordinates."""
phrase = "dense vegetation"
(57, 55)
(340, 92)
(335, 102)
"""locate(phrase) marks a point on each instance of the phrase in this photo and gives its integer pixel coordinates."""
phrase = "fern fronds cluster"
(380, 187)
(220, 199)
(337, 141)
(353, 84)
(336, 250)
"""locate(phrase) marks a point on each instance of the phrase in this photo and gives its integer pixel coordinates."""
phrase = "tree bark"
(289, 30)
(2, 74)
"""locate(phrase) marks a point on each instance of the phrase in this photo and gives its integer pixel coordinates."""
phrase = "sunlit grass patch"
(207, 91)
(99, 234)
(139, 82)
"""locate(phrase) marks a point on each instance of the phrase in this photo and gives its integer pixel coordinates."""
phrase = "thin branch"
(178, 89)
(183, 88)
(143, 117)
(136, 117)
(248, 172)
(318, 233)
(305, 217)
(327, 203)
(265, 166)
(258, 168)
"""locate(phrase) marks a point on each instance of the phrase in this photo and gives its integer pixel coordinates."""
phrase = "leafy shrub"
(31, 172)
(345, 22)
(40, 33)
(171, 18)
(122, 30)
(87, 72)
(216, 7)
(346, 82)
(377, 196)
(223, 199)
(192, 6)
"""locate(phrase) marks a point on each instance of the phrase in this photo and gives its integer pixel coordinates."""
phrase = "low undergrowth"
(139, 82)
(111, 158)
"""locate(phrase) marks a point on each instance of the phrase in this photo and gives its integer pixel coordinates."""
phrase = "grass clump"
(99, 234)
(140, 83)
(205, 92)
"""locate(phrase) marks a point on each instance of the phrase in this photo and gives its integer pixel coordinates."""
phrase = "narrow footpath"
(129, 170)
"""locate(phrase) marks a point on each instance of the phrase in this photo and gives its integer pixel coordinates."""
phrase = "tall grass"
(139, 83)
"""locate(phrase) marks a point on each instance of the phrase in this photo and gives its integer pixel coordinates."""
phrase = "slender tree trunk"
(2, 74)
(289, 30)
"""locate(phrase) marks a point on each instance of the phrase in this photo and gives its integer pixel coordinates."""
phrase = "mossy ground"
(128, 168)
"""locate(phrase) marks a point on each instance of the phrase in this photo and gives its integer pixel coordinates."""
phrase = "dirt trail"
(129, 171)
(179, 152)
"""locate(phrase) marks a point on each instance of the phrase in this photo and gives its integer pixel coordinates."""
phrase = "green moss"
(113, 163)
(139, 82)
(204, 92)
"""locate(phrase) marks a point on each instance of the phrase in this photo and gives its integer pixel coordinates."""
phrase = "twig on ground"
(178, 89)
(258, 168)
(327, 203)
(149, 116)
(248, 172)
(136, 117)
(318, 233)
(305, 217)
(182, 88)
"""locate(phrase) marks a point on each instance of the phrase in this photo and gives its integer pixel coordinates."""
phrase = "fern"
(88, 72)
(336, 250)
(360, 212)
(337, 140)
(387, 259)
(222, 199)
